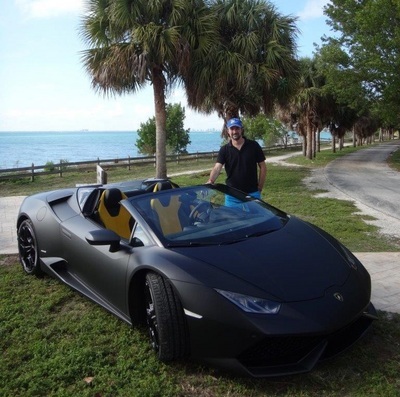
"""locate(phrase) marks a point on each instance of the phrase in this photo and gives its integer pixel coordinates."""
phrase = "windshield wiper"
(227, 242)
(191, 244)
(258, 234)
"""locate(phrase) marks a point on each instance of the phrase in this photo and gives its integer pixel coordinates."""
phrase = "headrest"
(112, 197)
(163, 185)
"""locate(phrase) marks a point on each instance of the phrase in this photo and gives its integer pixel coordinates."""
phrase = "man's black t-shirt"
(241, 165)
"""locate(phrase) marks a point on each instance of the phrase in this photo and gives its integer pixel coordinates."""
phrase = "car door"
(98, 272)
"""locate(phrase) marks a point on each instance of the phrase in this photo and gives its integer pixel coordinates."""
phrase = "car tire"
(165, 319)
(28, 248)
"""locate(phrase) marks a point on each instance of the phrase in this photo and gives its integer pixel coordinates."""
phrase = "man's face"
(235, 133)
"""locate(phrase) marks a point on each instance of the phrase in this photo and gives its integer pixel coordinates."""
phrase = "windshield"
(83, 193)
(209, 214)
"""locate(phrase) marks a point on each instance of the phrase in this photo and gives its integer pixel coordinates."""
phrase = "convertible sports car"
(214, 275)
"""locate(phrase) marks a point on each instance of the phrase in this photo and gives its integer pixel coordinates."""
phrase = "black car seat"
(113, 215)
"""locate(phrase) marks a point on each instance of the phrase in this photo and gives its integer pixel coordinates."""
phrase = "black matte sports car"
(214, 274)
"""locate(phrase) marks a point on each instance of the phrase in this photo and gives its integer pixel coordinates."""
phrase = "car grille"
(344, 338)
(274, 351)
(291, 350)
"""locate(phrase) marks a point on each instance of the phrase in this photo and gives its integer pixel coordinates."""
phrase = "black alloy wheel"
(28, 249)
(165, 319)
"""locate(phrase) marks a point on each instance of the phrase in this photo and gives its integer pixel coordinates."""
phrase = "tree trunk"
(161, 121)
(314, 153)
(310, 142)
(333, 143)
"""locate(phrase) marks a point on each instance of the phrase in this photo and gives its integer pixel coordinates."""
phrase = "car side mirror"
(104, 237)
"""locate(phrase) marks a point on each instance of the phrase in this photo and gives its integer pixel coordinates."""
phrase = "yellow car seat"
(167, 208)
(113, 215)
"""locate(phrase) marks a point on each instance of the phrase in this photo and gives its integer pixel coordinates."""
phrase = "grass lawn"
(56, 343)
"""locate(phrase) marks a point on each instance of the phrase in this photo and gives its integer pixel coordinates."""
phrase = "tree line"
(239, 58)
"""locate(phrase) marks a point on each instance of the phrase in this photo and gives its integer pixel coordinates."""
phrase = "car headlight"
(250, 304)
(351, 259)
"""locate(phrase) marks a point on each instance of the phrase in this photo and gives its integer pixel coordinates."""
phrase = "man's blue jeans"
(234, 202)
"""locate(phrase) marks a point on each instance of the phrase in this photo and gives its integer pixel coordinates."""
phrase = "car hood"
(294, 263)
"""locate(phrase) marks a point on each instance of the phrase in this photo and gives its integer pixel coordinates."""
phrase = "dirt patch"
(8, 260)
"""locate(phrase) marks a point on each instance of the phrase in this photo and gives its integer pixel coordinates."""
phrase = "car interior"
(113, 215)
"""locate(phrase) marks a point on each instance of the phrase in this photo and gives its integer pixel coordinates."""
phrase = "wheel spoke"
(27, 248)
(151, 319)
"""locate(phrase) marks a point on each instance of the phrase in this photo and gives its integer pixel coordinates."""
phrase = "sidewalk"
(384, 267)
(9, 207)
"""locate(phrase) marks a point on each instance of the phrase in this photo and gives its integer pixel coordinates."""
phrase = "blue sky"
(43, 86)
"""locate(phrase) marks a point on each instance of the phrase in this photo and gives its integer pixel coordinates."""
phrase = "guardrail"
(64, 166)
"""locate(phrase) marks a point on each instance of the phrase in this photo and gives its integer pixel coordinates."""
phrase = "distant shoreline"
(39, 147)
(93, 131)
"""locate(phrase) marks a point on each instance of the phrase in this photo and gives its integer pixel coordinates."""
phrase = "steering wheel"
(200, 213)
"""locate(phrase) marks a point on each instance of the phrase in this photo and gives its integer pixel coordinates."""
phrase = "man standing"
(242, 158)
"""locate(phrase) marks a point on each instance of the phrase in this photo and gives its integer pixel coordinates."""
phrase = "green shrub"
(49, 166)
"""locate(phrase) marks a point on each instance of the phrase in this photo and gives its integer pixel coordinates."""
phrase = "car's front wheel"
(165, 319)
(28, 248)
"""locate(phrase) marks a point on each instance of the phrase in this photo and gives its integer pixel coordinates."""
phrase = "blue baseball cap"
(234, 123)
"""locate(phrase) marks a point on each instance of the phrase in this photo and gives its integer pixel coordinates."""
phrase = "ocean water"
(21, 149)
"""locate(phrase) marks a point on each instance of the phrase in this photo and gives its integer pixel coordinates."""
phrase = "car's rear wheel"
(165, 319)
(28, 248)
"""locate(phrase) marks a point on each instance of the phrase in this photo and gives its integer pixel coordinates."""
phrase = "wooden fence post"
(101, 175)
(33, 173)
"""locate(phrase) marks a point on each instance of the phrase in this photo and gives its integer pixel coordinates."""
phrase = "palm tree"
(252, 65)
(310, 104)
(137, 42)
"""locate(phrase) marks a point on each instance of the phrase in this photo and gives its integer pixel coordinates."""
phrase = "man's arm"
(215, 172)
(262, 176)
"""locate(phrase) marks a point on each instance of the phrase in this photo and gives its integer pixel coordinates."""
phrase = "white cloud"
(49, 8)
(313, 9)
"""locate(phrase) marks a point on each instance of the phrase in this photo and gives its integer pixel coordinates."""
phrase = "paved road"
(365, 177)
